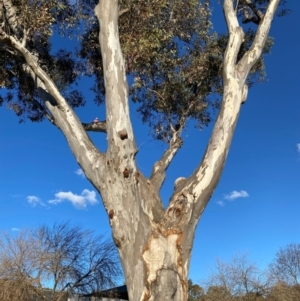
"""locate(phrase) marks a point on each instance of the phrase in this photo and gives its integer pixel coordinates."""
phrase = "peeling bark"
(154, 243)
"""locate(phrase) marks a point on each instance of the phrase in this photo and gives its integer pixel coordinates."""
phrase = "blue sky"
(256, 205)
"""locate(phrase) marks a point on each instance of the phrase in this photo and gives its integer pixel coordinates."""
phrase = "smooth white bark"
(154, 243)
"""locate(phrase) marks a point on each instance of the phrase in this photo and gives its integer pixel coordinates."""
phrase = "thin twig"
(123, 11)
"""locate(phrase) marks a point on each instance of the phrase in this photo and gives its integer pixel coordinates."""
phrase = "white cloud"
(298, 148)
(236, 194)
(80, 172)
(220, 203)
(78, 201)
(34, 200)
(15, 229)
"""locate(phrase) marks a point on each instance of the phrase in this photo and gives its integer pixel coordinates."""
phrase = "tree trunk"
(154, 243)
(155, 260)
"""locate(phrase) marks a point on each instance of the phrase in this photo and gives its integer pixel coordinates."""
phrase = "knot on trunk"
(111, 214)
(178, 207)
(127, 172)
(123, 134)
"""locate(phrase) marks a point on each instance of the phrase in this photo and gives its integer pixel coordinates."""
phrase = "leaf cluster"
(173, 58)
(251, 11)
(34, 23)
(174, 61)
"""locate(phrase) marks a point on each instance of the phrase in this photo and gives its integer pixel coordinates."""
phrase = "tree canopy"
(172, 54)
(179, 69)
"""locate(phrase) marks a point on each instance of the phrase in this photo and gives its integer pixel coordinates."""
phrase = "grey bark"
(154, 243)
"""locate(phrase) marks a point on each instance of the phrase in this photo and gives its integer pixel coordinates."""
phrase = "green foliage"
(36, 22)
(251, 11)
(183, 69)
(173, 58)
(195, 292)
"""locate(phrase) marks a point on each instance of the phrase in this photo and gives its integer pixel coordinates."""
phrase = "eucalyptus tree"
(181, 69)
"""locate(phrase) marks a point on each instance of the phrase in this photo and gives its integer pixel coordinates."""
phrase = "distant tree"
(17, 266)
(241, 277)
(196, 292)
(63, 258)
(181, 69)
(286, 265)
(251, 297)
(284, 292)
(217, 293)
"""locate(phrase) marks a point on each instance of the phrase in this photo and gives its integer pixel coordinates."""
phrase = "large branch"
(126, 192)
(86, 154)
(254, 53)
(121, 143)
(206, 176)
(11, 16)
(160, 167)
(198, 188)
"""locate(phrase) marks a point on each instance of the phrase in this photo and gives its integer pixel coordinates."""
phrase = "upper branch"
(119, 128)
(236, 36)
(205, 178)
(62, 114)
(160, 167)
(251, 12)
(230, 16)
(34, 66)
(123, 11)
(159, 170)
(259, 15)
(254, 53)
(198, 188)
(11, 16)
